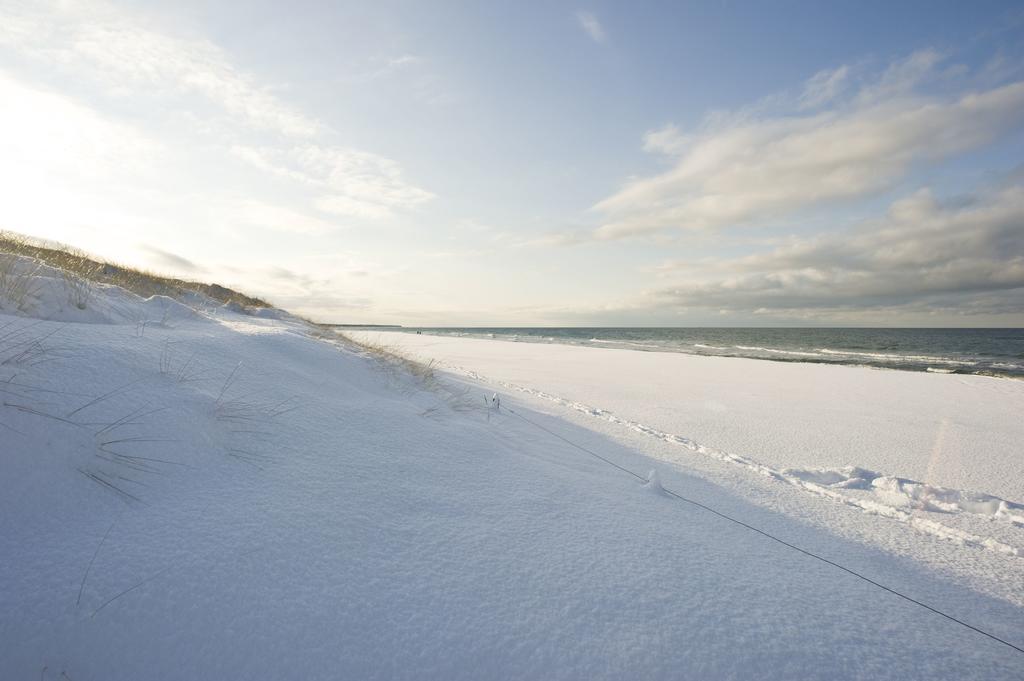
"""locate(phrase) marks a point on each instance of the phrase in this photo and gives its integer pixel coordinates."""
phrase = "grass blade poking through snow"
(81, 588)
(104, 396)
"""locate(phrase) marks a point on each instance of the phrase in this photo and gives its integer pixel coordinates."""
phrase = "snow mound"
(30, 288)
(271, 313)
(911, 494)
(164, 309)
(653, 483)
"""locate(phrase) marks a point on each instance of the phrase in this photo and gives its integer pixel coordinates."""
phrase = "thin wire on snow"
(763, 533)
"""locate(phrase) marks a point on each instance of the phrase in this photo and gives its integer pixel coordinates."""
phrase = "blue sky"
(534, 163)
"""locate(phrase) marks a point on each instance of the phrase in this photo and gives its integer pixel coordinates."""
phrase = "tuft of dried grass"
(390, 357)
(392, 360)
(81, 271)
(18, 284)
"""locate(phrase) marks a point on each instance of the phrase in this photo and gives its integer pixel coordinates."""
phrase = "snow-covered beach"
(199, 491)
(954, 431)
(923, 465)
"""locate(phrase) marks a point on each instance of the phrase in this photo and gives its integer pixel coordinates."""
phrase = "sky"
(534, 163)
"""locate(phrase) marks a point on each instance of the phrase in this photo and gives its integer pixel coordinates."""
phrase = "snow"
(941, 449)
(194, 492)
(937, 454)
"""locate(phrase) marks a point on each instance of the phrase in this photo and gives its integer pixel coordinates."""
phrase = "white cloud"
(165, 260)
(361, 176)
(824, 87)
(93, 40)
(903, 76)
(754, 166)
(348, 206)
(353, 183)
(248, 213)
(667, 140)
(593, 28)
(968, 256)
(381, 68)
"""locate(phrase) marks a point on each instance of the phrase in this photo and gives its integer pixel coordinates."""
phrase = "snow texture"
(194, 492)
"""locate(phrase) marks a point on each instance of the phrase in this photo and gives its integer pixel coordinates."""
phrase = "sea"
(988, 352)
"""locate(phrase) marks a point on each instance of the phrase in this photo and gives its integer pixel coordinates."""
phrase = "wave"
(800, 353)
(624, 342)
(828, 352)
(898, 358)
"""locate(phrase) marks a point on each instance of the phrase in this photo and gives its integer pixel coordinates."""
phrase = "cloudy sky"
(547, 163)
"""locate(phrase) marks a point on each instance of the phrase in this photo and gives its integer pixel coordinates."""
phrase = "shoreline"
(991, 367)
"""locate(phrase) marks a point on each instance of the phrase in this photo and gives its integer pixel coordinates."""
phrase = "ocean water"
(991, 352)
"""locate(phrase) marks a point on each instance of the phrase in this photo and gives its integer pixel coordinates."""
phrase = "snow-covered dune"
(211, 494)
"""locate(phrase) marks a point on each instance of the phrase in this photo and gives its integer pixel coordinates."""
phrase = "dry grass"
(82, 270)
(17, 284)
(391, 360)
(22, 344)
(390, 357)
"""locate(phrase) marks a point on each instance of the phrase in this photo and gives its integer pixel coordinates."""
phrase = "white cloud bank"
(965, 258)
(836, 143)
